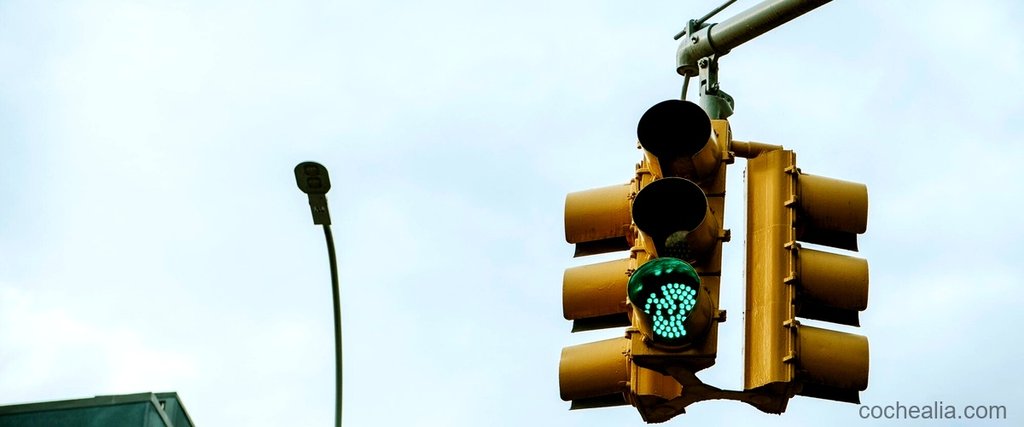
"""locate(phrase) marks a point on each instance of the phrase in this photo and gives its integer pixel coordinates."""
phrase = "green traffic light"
(667, 292)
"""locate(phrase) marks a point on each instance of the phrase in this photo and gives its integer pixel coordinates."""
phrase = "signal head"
(667, 292)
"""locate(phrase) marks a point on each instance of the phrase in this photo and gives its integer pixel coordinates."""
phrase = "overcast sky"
(152, 237)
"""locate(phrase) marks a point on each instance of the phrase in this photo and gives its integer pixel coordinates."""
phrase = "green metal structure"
(126, 410)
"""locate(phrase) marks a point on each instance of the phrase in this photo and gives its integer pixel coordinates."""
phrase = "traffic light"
(678, 213)
(685, 141)
(785, 281)
(599, 374)
(669, 301)
(669, 218)
(665, 292)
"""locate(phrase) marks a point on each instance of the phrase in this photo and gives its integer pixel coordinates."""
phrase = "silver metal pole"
(719, 39)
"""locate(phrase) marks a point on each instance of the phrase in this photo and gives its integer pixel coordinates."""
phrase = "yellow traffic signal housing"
(679, 213)
(598, 221)
(594, 295)
(601, 373)
(684, 140)
(595, 374)
(784, 281)
(670, 219)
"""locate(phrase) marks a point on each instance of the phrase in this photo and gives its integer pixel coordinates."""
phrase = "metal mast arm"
(719, 39)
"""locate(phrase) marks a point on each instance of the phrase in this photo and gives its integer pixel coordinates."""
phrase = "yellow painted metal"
(714, 187)
(594, 295)
(832, 365)
(832, 211)
(750, 149)
(679, 133)
(786, 281)
(675, 213)
(650, 391)
(682, 363)
(628, 370)
(708, 159)
(595, 374)
(650, 383)
(833, 287)
(702, 353)
(710, 270)
(833, 204)
(705, 160)
(598, 220)
(647, 170)
(769, 319)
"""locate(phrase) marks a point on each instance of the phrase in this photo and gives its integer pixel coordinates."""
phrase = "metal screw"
(694, 39)
(703, 63)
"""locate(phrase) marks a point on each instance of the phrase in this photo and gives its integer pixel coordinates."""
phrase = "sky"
(152, 237)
